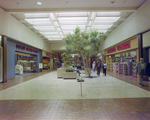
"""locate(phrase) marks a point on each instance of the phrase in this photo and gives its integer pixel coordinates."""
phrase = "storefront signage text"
(24, 48)
(123, 46)
(111, 50)
(48, 54)
(21, 47)
(29, 49)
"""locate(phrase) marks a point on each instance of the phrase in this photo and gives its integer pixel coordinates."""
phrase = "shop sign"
(24, 48)
(29, 49)
(111, 50)
(21, 47)
(36, 51)
(48, 54)
(123, 46)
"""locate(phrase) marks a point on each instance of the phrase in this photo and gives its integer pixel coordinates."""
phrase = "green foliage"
(66, 58)
(69, 70)
(87, 43)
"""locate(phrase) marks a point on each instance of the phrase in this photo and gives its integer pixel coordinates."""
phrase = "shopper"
(98, 66)
(140, 69)
(104, 67)
(93, 65)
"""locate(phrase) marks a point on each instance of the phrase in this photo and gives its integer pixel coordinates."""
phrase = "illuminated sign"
(24, 48)
(29, 49)
(48, 54)
(36, 51)
(123, 46)
(21, 47)
(111, 50)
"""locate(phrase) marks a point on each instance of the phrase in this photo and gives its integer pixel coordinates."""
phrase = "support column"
(140, 46)
(4, 45)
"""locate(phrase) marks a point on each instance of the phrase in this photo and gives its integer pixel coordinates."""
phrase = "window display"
(27, 61)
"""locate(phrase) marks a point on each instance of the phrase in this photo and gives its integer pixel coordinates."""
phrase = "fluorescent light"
(39, 3)
(108, 19)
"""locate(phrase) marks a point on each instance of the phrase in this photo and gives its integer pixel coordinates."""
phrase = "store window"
(25, 63)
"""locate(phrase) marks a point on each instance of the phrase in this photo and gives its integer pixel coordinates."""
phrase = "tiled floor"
(42, 96)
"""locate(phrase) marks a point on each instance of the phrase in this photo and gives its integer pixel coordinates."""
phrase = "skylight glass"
(98, 14)
(106, 19)
(35, 21)
(72, 14)
(36, 15)
(80, 19)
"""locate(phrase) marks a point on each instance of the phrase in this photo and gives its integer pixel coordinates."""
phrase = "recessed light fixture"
(39, 3)
(112, 2)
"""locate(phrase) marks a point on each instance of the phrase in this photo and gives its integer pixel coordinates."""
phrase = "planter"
(69, 75)
(60, 72)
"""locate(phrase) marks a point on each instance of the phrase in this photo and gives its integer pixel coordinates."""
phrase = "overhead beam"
(44, 10)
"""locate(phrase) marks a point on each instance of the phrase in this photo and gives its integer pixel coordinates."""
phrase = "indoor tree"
(87, 44)
(66, 58)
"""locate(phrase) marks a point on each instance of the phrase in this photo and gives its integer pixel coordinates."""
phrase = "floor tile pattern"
(100, 109)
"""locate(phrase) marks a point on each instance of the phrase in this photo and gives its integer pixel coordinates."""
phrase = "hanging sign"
(123, 46)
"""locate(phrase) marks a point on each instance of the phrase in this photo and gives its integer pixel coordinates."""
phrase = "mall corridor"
(43, 96)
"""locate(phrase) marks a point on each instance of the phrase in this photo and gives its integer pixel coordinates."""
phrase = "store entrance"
(25, 64)
(46, 63)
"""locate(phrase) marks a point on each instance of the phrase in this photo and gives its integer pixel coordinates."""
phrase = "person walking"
(93, 65)
(104, 67)
(140, 69)
(98, 66)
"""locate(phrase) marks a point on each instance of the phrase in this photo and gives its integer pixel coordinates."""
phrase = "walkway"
(45, 97)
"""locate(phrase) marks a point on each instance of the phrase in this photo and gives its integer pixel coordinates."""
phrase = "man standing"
(140, 69)
(98, 65)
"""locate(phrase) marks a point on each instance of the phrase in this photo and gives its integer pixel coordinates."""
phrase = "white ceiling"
(57, 13)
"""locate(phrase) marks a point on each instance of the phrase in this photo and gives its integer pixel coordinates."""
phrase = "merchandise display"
(124, 68)
(115, 67)
(133, 64)
(110, 64)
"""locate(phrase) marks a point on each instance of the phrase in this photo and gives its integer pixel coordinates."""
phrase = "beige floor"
(49, 87)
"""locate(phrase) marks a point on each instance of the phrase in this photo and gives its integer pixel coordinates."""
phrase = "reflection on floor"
(46, 97)
(24, 74)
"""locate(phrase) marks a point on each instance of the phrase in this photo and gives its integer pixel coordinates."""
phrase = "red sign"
(123, 46)
(111, 50)
(36, 51)
(48, 54)
(21, 47)
(29, 49)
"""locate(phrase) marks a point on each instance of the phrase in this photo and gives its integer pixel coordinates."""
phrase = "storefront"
(123, 57)
(146, 46)
(47, 60)
(22, 59)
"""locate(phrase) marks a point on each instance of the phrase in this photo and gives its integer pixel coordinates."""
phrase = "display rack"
(110, 64)
(133, 64)
(115, 67)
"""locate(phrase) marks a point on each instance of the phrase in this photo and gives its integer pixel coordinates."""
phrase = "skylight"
(54, 26)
